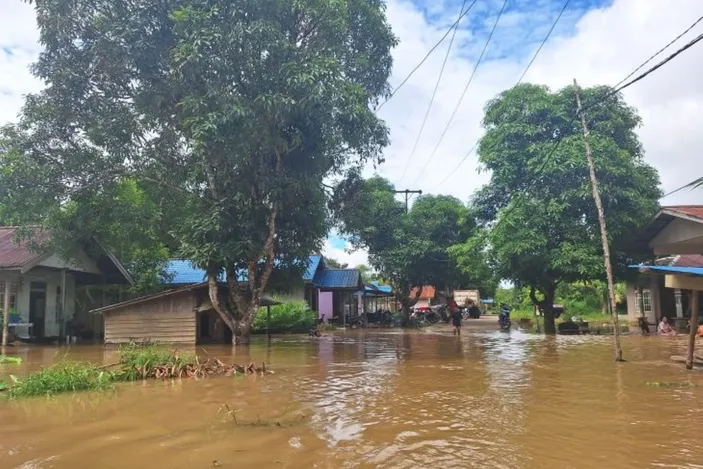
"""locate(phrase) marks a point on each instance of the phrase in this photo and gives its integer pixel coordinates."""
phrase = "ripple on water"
(387, 400)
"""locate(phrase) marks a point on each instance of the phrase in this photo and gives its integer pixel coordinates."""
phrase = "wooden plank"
(693, 326)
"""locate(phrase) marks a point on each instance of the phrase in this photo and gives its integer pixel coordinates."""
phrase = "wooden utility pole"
(407, 193)
(603, 229)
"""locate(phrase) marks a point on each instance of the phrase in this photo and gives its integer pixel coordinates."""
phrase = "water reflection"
(374, 399)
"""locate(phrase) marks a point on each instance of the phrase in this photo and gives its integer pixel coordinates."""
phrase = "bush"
(290, 316)
(60, 378)
(139, 361)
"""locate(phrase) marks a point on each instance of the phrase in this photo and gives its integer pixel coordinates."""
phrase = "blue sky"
(596, 41)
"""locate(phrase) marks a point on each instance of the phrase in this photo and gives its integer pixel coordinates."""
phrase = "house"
(426, 298)
(376, 296)
(40, 287)
(180, 316)
(672, 285)
(327, 291)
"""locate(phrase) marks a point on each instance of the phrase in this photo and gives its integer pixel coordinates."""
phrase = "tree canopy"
(406, 249)
(540, 219)
(235, 111)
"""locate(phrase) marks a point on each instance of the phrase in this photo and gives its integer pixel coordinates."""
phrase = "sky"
(598, 42)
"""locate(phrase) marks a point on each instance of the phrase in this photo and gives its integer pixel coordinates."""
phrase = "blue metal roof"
(183, 272)
(313, 265)
(337, 278)
(376, 287)
(670, 269)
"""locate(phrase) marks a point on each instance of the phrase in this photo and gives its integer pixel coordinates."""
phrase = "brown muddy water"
(379, 400)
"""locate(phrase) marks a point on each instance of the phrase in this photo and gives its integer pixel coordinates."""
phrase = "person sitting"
(644, 326)
(665, 328)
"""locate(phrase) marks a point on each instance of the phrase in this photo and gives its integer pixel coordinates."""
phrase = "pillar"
(693, 329)
(6, 312)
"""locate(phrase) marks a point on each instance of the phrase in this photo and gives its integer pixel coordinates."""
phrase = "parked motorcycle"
(504, 318)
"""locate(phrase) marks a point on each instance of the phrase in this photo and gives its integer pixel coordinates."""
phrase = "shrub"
(290, 316)
(62, 377)
(139, 361)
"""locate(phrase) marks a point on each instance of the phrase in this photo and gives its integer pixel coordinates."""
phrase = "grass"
(136, 362)
(139, 362)
(5, 360)
(60, 378)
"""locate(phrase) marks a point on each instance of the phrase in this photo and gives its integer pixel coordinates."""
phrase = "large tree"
(541, 221)
(237, 109)
(406, 249)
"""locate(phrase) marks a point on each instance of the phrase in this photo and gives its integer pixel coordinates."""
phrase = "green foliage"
(291, 316)
(231, 113)
(139, 361)
(406, 249)
(548, 232)
(60, 378)
(5, 360)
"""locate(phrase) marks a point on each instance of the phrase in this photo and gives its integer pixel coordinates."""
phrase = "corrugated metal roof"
(337, 278)
(695, 211)
(14, 255)
(670, 269)
(313, 265)
(183, 272)
(428, 291)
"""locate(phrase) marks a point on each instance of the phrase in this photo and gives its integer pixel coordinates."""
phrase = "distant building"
(329, 292)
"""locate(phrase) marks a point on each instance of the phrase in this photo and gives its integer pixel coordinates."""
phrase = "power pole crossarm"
(603, 229)
(407, 193)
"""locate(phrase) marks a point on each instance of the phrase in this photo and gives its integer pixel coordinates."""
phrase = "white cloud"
(344, 256)
(600, 46)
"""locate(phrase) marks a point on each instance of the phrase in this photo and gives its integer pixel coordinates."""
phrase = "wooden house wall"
(169, 319)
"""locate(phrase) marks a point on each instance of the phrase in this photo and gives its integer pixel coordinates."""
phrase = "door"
(37, 311)
(204, 325)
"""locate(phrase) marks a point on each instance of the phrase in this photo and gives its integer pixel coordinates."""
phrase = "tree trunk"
(214, 294)
(241, 334)
(547, 306)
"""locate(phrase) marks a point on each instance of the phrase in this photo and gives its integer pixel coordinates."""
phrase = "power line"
(436, 86)
(461, 98)
(423, 60)
(613, 91)
(544, 41)
(529, 65)
(519, 197)
(659, 51)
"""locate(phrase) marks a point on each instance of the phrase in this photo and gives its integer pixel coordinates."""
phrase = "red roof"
(695, 211)
(689, 260)
(427, 292)
(12, 254)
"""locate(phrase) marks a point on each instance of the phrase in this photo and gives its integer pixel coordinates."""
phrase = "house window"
(13, 296)
(644, 298)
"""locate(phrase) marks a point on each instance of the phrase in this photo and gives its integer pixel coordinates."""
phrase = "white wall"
(52, 279)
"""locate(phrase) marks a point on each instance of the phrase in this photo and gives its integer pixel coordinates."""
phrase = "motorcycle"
(504, 318)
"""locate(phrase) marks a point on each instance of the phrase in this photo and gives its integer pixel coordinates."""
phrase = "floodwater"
(369, 399)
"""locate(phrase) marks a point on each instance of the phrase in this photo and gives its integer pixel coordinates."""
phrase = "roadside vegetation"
(290, 317)
(136, 362)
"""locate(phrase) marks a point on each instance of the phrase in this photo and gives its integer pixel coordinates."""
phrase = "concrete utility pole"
(407, 193)
(603, 229)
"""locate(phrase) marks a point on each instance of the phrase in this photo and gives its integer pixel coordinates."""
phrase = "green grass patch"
(139, 362)
(60, 378)
(5, 360)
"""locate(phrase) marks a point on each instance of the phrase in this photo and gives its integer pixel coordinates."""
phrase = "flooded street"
(368, 399)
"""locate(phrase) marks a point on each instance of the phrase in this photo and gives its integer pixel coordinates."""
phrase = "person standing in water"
(455, 313)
